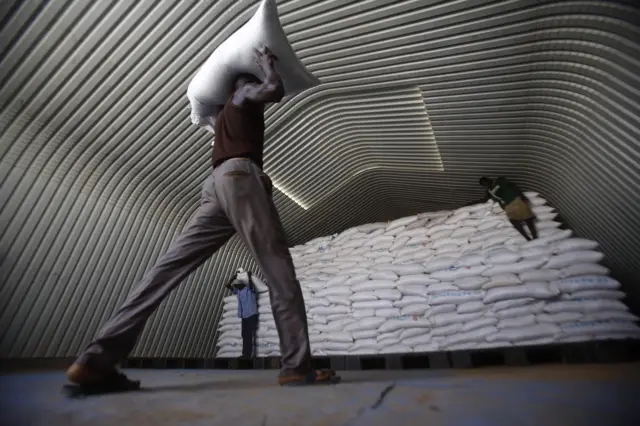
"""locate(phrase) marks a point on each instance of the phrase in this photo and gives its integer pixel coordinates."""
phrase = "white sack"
(363, 313)
(540, 275)
(375, 304)
(583, 269)
(541, 290)
(423, 279)
(511, 303)
(585, 306)
(588, 282)
(471, 307)
(502, 280)
(363, 296)
(410, 300)
(479, 323)
(329, 310)
(401, 222)
(442, 320)
(521, 311)
(441, 287)
(413, 290)
(371, 323)
(387, 312)
(416, 309)
(440, 309)
(475, 335)
(517, 322)
(402, 323)
(470, 283)
(456, 297)
(315, 301)
(334, 291)
(574, 244)
(455, 273)
(537, 331)
(559, 317)
(570, 258)
(384, 276)
(339, 300)
(388, 294)
(374, 285)
(440, 264)
(447, 330)
(594, 294)
(514, 268)
(365, 334)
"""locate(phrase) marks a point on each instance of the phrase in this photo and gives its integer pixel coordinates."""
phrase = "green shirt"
(503, 191)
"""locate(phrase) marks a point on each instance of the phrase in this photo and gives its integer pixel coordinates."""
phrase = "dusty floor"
(599, 395)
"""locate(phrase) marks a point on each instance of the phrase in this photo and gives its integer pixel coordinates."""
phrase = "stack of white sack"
(447, 280)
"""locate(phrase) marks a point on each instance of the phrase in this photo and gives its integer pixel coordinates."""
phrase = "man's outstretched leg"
(518, 225)
(207, 231)
(531, 224)
(245, 194)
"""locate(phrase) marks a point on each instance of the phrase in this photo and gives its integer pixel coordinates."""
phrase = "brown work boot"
(81, 374)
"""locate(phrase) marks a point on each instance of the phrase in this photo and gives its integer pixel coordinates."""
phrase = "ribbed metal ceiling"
(101, 167)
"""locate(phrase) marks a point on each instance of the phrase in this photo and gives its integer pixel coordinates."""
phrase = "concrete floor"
(599, 395)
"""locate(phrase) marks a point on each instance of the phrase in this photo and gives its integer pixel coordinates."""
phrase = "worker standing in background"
(514, 203)
(247, 310)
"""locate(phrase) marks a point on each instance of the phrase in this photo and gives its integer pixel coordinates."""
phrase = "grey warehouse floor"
(599, 395)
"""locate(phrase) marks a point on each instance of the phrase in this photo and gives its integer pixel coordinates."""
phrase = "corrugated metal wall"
(100, 166)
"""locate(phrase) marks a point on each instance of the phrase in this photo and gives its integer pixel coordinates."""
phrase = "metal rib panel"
(100, 167)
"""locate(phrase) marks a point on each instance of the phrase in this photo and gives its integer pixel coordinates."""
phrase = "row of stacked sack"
(446, 280)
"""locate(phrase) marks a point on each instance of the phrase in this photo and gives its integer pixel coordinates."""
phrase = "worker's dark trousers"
(249, 328)
(236, 197)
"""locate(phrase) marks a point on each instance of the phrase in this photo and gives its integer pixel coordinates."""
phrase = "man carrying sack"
(514, 203)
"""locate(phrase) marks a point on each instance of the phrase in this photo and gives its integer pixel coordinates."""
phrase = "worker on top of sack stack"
(514, 203)
(247, 308)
